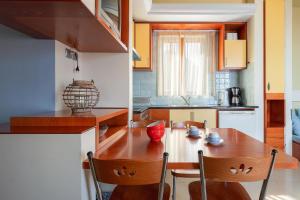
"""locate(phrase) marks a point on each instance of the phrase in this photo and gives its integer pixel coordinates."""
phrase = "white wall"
(64, 73)
(45, 166)
(252, 78)
(288, 75)
(90, 4)
(110, 72)
(246, 78)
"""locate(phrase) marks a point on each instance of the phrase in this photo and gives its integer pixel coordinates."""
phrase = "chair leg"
(174, 189)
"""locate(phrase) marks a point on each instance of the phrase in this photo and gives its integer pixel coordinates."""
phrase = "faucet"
(187, 100)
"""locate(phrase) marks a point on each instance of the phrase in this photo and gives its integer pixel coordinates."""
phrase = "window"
(186, 63)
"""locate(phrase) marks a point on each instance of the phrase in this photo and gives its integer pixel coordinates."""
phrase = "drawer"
(275, 132)
(275, 142)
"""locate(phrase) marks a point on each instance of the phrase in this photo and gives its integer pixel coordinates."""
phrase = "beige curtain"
(199, 63)
(186, 63)
(168, 64)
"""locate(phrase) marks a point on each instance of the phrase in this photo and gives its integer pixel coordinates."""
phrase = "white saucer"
(221, 141)
(195, 135)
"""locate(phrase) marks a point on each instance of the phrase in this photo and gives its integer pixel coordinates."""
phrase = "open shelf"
(275, 120)
(69, 22)
(111, 131)
(239, 27)
(275, 114)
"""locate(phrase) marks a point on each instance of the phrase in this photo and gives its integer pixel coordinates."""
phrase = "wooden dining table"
(136, 145)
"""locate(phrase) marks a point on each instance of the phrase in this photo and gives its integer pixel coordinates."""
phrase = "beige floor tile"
(283, 185)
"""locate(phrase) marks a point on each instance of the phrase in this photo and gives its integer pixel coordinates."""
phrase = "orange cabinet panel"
(160, 114)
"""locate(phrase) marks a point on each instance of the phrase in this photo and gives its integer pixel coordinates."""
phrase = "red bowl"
(156, 130)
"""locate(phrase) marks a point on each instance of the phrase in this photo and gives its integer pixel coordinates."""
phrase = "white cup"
(193, 128)
(213, 137)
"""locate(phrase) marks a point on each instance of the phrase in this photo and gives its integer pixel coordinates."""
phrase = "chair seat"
(185, 173)
(139, 192)
(219, 190)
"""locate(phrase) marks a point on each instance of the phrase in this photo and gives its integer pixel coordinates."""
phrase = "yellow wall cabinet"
(274, 45)
(233, 50)
(235, 54)
(210, 115)
(142, 44)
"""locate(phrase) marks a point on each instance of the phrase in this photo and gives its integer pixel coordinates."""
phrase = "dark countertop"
(140, 109)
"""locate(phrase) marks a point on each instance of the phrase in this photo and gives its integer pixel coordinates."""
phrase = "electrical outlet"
(71, 54)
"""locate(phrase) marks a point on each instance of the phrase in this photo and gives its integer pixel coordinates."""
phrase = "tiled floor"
(283, 185)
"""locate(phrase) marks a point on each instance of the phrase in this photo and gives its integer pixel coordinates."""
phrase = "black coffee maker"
(235, 96)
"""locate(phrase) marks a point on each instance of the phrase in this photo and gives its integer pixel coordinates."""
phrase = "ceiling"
(145, 10)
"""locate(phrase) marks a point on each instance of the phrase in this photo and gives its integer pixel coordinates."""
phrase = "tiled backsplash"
(144, 85)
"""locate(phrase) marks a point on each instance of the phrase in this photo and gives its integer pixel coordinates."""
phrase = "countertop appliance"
(244, 121)
(235, 96)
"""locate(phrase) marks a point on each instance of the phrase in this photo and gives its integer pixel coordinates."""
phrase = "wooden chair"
(223, 175)
(141, 124)
(136, 180)
(187, 124)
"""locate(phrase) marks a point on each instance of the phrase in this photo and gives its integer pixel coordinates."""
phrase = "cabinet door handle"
(269, 86)
(225, 62)
(192, 116)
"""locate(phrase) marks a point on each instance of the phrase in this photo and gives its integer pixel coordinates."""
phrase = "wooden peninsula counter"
(41, 156)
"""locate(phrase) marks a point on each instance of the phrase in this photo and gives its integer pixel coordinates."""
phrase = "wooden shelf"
(275, 113)
(238, 27)
(274, 119)
(115, 118)
(69, 22)
(111, 131)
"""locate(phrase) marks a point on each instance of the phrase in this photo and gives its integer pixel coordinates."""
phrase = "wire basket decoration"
(81, 96)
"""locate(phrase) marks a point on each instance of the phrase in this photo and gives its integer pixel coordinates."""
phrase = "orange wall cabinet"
(274, 28)
(235, 54)
(69, 22)
(235, 50)
(142, 44)
(160, 114)
(274, 46)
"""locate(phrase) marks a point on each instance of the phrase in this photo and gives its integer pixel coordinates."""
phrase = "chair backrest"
(239, 169)
(186, 124)
(141, 124)
(128, 172)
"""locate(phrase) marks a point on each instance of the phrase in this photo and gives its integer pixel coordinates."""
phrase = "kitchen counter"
(8, 129)
(63, 122)
(140, 109)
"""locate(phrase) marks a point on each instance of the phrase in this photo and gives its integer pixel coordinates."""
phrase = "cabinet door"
(210, 115)
(133, 34)
(199, 115)
(274, 49)
(235, 54)
(180, 115)
(142, 43)
(160, 114)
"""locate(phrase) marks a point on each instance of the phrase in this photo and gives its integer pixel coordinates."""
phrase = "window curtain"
(169, 64)
(199, 63)
(186, 63)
